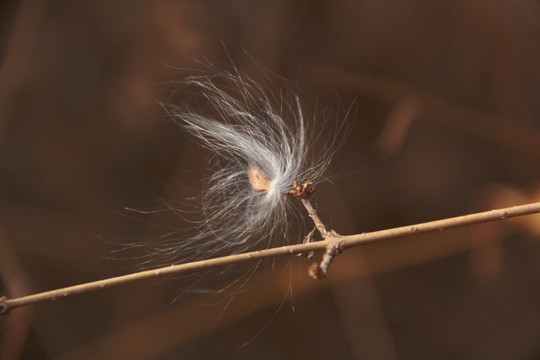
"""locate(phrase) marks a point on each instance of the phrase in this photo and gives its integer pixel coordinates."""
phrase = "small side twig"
(310, 237)
(320, 271)
(345, 242)
(302, 192)
(313, 215)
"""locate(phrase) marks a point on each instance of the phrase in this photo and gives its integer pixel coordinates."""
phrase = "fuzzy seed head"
(262, 144)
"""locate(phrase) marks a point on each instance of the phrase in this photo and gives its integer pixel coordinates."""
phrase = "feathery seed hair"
(263, 144)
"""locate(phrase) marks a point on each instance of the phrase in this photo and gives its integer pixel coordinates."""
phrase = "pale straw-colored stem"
(313, 215)
(345, 242)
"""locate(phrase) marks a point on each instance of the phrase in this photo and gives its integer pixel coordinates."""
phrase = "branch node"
(309, 238)
(317, 271)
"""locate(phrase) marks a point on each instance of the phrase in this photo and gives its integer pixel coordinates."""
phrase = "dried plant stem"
(331, 239)
(313, 215)
(320, 271)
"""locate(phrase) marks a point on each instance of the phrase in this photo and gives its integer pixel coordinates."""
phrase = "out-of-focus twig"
(397, 125)
(516, 135)
(17, 58)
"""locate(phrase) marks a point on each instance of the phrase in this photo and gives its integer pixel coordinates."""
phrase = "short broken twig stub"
(320, 271)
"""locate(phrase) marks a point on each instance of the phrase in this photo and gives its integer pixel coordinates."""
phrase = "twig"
(333, 249)
(313, 215)
(16, 283)
(345, 242)
(320, 271)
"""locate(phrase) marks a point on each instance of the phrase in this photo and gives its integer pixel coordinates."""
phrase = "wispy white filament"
(244, 127)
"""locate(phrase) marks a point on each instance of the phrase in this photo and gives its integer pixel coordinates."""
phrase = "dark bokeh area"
(443, 103)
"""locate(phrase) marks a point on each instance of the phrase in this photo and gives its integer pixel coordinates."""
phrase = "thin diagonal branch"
(345, 242)
(313, 215)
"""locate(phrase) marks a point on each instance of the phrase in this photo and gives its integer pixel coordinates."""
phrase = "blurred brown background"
(445, 122)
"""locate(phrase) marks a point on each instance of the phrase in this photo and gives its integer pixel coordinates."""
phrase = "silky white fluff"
(242, 123)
